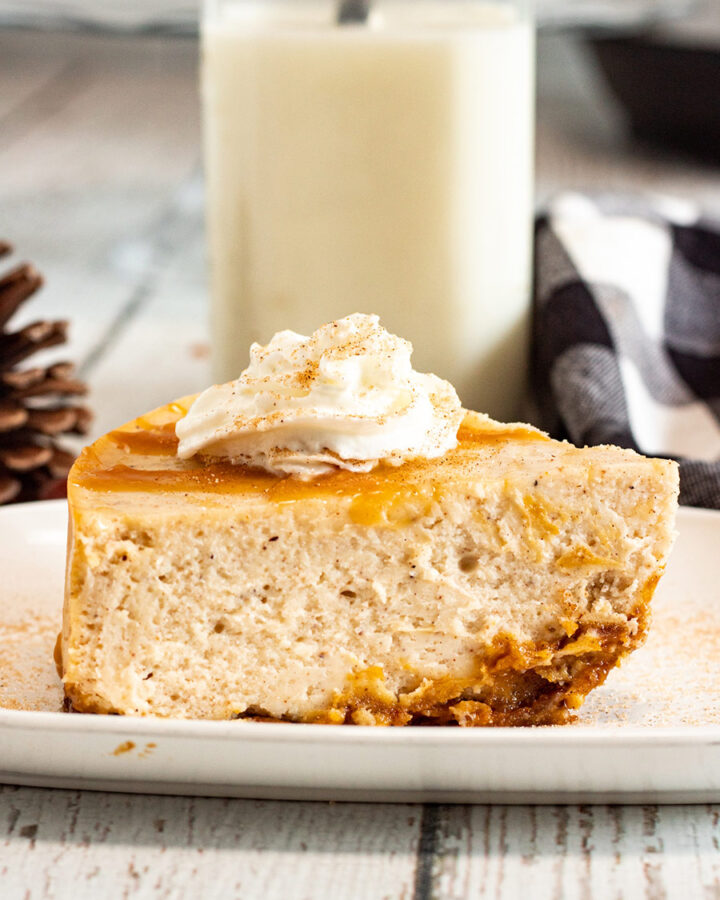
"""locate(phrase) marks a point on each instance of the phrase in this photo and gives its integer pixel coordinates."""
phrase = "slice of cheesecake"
(496, 585)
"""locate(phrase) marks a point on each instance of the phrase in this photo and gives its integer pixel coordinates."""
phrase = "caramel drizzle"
(142, 457)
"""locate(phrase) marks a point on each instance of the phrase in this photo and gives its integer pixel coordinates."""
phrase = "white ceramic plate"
(650, 734)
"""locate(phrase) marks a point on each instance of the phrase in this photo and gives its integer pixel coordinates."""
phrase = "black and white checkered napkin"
(626, 335)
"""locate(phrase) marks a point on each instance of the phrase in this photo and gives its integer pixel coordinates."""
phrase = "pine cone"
(35, 404)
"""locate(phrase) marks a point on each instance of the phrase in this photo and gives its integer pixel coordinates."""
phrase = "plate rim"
(292, 732)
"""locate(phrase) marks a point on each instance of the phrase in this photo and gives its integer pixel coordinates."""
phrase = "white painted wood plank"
(22, 84)
(161, 352)
(570, 852)
(75, 844)
(124, 108)
(65, 844)
(88, 174)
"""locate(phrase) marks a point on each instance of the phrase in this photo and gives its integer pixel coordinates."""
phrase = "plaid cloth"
(627, 332)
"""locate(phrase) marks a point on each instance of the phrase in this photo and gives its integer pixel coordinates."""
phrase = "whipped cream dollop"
(347, 397)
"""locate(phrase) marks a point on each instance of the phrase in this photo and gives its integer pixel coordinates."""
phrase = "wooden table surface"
(100, 185)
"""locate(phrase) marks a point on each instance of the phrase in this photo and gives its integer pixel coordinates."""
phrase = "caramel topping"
(141, 457)
(57, 655)
(160, 441)
(467, 434)
(374, 495)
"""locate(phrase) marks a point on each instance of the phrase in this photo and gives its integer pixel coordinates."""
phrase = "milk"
(383, 167)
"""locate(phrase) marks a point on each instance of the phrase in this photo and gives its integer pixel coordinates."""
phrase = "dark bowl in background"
(669, 91)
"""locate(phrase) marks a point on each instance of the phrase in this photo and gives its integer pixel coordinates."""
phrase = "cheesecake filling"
(346, 397)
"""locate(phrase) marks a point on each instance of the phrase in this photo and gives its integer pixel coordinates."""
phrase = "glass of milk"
(374, 157)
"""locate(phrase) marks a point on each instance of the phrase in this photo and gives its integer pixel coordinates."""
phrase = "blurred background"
(100, 159)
